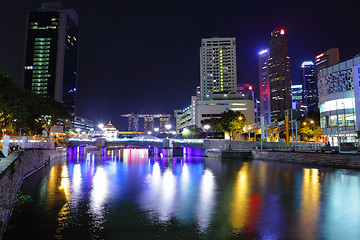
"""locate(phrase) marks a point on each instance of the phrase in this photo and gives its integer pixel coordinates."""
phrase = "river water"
(125, 194)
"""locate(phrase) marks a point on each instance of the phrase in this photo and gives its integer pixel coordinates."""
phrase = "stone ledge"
(310, 158)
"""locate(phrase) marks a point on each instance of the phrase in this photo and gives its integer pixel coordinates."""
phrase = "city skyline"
(156, 46)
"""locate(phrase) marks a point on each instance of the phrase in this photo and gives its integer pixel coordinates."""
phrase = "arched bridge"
(153, 142)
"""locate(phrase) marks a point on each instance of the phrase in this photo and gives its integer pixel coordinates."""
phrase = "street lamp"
(78, 131)
(149, 132)
(207, 127)
(185, 132)
(167, 127)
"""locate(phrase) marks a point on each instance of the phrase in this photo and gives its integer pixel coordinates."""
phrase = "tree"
(192, 132)
(21, 109)
(52, 112)
(306, 132)
(230, 121)
(317, 133)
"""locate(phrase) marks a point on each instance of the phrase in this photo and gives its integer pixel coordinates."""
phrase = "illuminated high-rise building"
(51, 57)
(309, 93)
(279, 75)
(264, 84)
(217, 67)
(326, 59)
(297, 96)
(148, 123)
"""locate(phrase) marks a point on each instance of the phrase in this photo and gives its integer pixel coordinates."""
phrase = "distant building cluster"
(329, 86)
(219, 90)
(150, 123)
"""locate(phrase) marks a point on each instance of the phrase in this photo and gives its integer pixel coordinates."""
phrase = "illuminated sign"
(320, 55)
(307, 63)
(263, 51)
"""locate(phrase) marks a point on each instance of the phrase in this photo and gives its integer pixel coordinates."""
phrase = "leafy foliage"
(192, 132)
(20, 109)
(230, 121)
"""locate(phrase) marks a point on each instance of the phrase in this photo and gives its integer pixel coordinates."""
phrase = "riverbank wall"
(14, 169)
(339, 160)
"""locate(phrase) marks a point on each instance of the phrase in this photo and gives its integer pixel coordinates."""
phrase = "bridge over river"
(168, 146)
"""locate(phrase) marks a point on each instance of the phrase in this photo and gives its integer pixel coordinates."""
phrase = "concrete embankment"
(13, 170)
(340, 160)
(229, 154)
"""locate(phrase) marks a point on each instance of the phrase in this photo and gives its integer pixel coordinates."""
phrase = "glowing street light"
(156, 129)
(149, 132)
(185, 131)
(207, 127)
(167, 127)
(78, 131)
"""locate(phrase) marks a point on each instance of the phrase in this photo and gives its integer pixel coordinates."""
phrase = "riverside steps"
(14, 169)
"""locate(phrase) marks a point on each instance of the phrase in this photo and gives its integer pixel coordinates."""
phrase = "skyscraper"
(264, 84)
(51, 53)
(297, 96)
(309, 94)
(279, 75)
(217, 67)
(326, 59)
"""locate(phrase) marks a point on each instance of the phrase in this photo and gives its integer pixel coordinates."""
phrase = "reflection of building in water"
(64, 214)
(150, 123)
(206, 200)
(240, 204)
(310, 203)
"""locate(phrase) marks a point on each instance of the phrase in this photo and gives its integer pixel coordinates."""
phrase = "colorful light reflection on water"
(112, 194)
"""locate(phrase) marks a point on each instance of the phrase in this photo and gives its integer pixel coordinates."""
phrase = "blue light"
(263, 51)
(307, 63)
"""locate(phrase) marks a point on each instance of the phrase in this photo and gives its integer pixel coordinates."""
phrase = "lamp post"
(168, 127)
(207, 127)
(101, 126)
(78, 132)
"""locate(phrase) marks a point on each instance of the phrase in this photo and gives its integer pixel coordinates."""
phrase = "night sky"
(143, 56)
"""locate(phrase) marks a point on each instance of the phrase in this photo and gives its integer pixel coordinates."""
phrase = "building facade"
(279, 75)
(213, 108)
(264, 84)
(339, 101)
(326, 59)
(150, 123)
(309, 80)
(297, 96)
(51, 54)
(217, 66)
